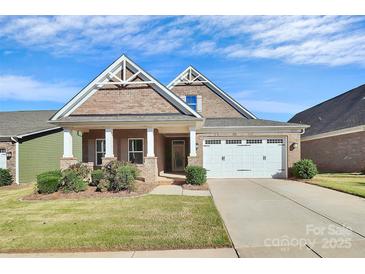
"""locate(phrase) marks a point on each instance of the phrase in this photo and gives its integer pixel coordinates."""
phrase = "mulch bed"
(140, 189)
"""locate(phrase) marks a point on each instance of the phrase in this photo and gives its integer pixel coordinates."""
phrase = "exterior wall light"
(9, 154)
(293, 146)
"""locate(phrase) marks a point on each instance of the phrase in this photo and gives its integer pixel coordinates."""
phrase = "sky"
(275, 66)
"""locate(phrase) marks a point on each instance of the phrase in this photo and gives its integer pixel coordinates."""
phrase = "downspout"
(16, 159)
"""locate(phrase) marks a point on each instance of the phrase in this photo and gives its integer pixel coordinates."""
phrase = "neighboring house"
(126, 114)
(30, 145)
(335, 140)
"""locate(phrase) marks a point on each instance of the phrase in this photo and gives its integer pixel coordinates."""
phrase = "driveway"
(283, 218)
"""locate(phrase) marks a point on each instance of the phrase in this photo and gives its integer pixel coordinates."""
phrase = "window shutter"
(199, 104)
(183, 98)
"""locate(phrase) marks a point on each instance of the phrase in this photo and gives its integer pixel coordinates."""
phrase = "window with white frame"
(100, 151)
(135, 150)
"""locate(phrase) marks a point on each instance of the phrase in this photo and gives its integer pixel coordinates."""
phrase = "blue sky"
(273, 65)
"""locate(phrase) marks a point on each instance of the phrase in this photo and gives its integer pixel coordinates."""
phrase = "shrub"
(103, 185)
(196, 175)
(5, 177)
(133, 168)
(48, 182)
(96, 176)
(123, 180)
(81, 170)
(72, 181)
(305, 169)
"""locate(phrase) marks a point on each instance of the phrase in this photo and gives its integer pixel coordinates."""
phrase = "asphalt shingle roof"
(243, 122)
(14, 123)
(343, 111)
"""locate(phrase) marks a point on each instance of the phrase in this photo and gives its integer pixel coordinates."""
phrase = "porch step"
(171, 179)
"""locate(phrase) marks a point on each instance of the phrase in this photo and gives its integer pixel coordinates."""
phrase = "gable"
(124, 88)
(215, 102)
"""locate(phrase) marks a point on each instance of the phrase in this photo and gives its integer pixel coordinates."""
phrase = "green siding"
(44, 153)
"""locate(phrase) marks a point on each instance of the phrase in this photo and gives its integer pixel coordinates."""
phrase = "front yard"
(352, 183)
(92, 224)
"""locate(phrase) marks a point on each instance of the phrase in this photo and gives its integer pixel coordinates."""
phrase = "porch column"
(67, 143)
(150, 143)
(192, 142)
(109, 143)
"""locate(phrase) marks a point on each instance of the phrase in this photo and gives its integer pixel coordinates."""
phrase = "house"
(126, 114)
(30, 145)
(335, 140)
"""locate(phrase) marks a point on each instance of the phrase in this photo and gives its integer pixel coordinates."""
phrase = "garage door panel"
(245, 158)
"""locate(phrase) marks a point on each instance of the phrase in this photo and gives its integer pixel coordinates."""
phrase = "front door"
(2, 158)
(178, 155)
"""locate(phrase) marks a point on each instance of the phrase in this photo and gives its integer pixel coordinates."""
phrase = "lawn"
(352, 183)
(92, 224)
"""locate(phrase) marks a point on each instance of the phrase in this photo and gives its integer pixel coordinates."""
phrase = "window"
(275, 141)
(2, 150)
(135, 151)
(191, 101)
(233, 142)
(212, 142)
(100, 151)
(254, 141)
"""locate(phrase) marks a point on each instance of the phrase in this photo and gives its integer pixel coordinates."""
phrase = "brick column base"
(107, 160)
(193, 161)
(149, 170)
(66, 162)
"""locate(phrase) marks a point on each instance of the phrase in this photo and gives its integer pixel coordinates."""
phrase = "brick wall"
(213, 106)
(343, 153)
(130, 100)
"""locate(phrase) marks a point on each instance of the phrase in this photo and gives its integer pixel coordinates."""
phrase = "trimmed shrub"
(72, 181)
(103, 185)
(96, 176)
(305, 169)
(196, 175)
(48, 182)
(124, 179)
(5, 177)
(133, 168)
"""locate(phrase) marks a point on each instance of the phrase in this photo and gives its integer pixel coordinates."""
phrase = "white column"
(192, 142)
(109, 143)
(150, 143)
(67, 143)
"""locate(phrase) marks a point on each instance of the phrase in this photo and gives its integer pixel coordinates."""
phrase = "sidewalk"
(182, 253)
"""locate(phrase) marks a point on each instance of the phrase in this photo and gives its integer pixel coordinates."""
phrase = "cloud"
(326, 40)
(25, 88)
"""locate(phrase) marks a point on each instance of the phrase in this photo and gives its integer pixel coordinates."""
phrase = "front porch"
(154, 150)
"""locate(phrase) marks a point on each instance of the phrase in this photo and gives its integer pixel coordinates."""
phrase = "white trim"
(136, 151)
(205, 80)
(102, 79)
(96, 151)
(150, 142)
(36, 132)
(17, 163)
(334, 133)
(172, 155)
(192, 132)
(67, 143)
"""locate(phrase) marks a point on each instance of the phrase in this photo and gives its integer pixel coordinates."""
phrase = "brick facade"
(213, 106)
(343, 153)
(10, 162)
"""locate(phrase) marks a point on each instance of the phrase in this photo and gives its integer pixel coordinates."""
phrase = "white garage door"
(245, 158)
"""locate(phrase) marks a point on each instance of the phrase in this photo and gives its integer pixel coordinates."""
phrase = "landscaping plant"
(123, 180)
(196, 175)
(5, 177)
(72, 181)
(48, 182)
(305, 169)
(96, 176)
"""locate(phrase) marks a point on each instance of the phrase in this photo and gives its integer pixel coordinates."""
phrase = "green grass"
(352, 183)
(148, 222)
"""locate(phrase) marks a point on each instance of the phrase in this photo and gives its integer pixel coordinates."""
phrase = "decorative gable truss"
(123, 73)
(192, 76)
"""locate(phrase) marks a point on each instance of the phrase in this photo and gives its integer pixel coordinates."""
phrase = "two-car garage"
(245, 157)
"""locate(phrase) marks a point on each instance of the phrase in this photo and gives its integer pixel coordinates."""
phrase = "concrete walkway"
(282, 218)
(178, 190)
(182, 253)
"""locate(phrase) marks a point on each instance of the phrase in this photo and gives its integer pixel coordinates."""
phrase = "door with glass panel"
(178, 155)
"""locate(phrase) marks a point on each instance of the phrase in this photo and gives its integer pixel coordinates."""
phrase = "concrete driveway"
(283, 218)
